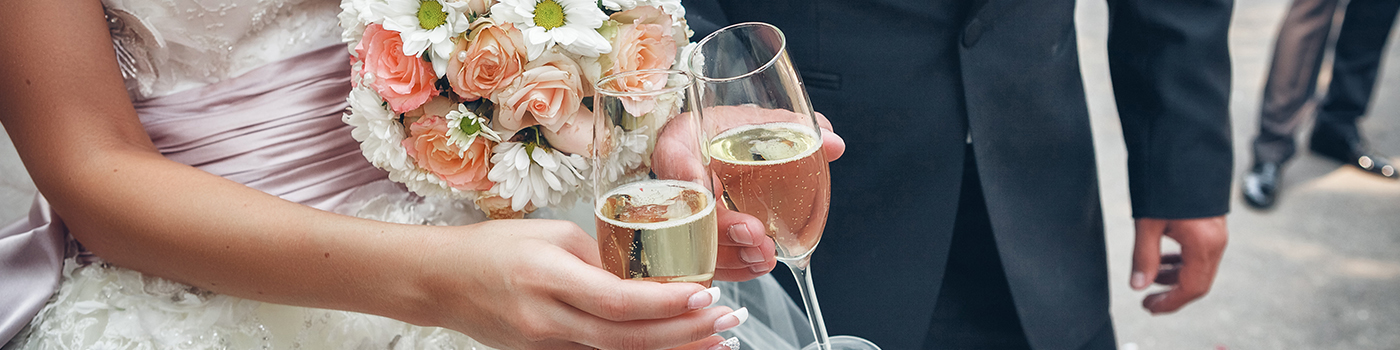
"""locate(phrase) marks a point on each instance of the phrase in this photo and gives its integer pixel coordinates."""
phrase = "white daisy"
(463, 126)
(571, 24)
(526, 172)
(424, 25)
(351, 17)
(670, 7)
(619, 5)
(626, 155)
(377, 129)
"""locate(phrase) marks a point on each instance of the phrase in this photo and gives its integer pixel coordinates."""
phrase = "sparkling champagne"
(777, 173)
(658, 230)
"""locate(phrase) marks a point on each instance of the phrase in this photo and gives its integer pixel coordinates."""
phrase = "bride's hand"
(745, 251)
(537, 284)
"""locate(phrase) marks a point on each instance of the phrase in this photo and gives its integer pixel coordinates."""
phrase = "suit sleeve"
(704, 17)
(1170, 63)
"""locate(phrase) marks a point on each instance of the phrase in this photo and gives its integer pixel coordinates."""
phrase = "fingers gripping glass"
(766, 146)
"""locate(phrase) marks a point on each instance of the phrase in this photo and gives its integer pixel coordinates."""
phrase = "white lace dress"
(253, 90)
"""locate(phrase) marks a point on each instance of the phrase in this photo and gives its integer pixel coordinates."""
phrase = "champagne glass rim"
(782, 48)
(602, 86)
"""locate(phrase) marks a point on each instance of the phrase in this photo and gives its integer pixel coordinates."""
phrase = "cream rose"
(490, 59)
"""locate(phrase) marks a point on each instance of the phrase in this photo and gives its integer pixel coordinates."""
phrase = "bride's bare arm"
(518, 284)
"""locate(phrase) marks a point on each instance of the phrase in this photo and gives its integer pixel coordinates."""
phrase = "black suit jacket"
(906, 81)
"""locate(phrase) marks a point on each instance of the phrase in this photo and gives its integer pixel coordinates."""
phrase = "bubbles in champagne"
(658, 230)
(774, 172)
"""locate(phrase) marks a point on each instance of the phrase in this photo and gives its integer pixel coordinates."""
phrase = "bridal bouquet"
(490, 100)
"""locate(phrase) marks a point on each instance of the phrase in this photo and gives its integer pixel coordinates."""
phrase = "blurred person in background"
(1292, 84)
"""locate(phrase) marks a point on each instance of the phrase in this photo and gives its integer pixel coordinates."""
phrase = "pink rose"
(429, 146)
(406, 82)
(547, 93)
(487, 62)
(575, 137)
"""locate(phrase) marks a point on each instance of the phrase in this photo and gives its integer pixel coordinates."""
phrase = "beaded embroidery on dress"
(167, 46)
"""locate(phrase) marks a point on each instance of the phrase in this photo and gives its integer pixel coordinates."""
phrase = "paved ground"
(1320, 271)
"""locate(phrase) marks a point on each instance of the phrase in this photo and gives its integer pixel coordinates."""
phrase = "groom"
(966, 211)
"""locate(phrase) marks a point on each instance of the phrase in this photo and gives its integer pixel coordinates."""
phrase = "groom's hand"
(1191, 273)
(745, 251)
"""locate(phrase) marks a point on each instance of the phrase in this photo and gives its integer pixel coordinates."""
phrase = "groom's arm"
(1171, 77)
(704, 17)
(1170, 64)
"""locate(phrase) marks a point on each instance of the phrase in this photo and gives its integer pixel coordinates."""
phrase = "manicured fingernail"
(751, 255)
(733, 319)
(728, 344)
(739, 233)
(1139, 280)
(703, 299)
(759, 268)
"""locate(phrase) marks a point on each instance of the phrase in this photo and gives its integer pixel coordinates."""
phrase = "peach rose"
(498, 208)
(548, 93)
(575, 137)
(488, 61)
(406, 82)
(480, 7)
(644, 41)
(429, 146)
(438, 105)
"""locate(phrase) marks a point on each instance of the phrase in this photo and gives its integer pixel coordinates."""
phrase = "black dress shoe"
(1261, 185)
(1358, 157)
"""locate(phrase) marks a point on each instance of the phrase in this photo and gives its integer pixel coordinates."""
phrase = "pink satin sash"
(276, 129)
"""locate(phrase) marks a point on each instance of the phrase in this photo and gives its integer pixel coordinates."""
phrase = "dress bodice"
(167, 46)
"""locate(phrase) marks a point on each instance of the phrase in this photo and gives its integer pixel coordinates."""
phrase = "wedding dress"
(251, 90)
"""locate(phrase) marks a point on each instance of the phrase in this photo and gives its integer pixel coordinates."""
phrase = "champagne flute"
(766, 144)
(654, 201)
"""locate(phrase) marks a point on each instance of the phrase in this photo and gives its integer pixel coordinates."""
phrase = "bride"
(198, 190)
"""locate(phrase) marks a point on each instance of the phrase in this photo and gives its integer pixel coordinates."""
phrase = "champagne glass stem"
(809, 299)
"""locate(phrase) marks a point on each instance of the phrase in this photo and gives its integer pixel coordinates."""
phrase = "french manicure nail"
(739, 233)
(703, 299)
(733, 319)
(751, 255)
(1139, 280)
(728, 344)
